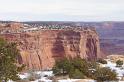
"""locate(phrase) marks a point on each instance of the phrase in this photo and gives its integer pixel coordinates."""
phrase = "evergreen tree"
(80, 64)
(8, 61)
(62, 67)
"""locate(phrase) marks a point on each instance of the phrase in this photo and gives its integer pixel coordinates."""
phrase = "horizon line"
(57, 21)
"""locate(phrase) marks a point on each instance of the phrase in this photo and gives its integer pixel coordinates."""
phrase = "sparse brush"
(40, 81)
(54, 80)
(33, 76)
(23, 80)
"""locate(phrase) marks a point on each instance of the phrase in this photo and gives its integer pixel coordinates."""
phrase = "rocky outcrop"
(40, 49)
(115, 57)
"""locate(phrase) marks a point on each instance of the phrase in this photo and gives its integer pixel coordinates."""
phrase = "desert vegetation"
(8, 61)
(82, 69)
(119, 63)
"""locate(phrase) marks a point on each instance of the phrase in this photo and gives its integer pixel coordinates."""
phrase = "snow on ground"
(45, 79)
(75, 80)
(43, 73)
(50, 73)
(22, 76)
(119, 71)
(66, 80)
(109, 64)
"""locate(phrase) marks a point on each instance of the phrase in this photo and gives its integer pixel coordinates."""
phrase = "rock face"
(40, 49)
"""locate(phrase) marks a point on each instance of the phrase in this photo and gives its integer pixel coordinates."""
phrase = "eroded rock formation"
(40, 49)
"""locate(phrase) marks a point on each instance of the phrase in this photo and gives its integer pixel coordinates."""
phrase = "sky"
(62, 10)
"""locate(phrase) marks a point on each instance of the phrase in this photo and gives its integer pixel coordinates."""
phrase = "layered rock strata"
(40, 49)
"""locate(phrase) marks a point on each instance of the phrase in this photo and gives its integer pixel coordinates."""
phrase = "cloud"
(62, 9)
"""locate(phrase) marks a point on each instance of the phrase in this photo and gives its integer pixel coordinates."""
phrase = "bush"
(93, 65)
(73, 68)
(81, 64)
(54, 80)
(23, 80)
(77, 74)
(79, 69)
(102, 61)
(105, 74)
(119, 63)
(40, 81)
(62, 67)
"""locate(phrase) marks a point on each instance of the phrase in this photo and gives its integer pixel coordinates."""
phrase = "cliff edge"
(39, 49)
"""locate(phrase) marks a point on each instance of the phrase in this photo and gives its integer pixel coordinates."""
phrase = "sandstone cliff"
(40, 49)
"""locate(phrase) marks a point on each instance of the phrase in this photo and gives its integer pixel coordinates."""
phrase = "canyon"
(39, 49)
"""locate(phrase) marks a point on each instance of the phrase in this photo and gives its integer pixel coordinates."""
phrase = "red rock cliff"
(39, 49)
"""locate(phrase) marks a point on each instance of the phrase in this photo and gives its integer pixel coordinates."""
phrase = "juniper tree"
(8, 61)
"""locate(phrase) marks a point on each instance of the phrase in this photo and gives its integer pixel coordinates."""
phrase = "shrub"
(54, 79)
(79, 69)
(102, 61)
(40, 81)
(72, 67)
(62, 67)
(77, 74)
(8, 59)
(80, 64)
(23, 80)
(105, 74)
(119, 63)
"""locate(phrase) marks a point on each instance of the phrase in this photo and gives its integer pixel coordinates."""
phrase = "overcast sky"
(62, 10)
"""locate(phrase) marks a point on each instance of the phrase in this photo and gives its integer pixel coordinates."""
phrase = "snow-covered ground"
(43, 74)
(119, 70)
(45, 79)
